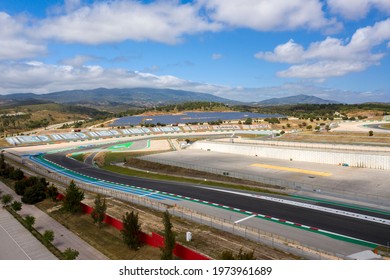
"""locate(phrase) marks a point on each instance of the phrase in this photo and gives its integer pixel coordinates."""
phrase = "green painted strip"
(329, 234)
(122, 146)
(341, 204)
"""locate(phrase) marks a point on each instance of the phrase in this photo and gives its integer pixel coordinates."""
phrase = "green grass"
(142, 174)
(79, 157)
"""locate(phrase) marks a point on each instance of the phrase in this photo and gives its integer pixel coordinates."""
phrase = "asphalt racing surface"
(357, 228)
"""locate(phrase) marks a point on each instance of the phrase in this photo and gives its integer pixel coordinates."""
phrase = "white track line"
(310, 206)
(244, 219)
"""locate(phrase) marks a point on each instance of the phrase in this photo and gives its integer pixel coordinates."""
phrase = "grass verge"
(145, 174)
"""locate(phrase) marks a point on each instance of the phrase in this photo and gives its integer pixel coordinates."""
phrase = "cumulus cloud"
(38, 77)
(117, 21)
(265, 15)
(358, 9)
(14, 43)
(332, 57)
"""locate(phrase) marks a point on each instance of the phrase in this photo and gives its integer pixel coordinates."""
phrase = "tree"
(248, 121)
(20, 187)
(131, 230)
(52, 192)
(34, 194)
(72, 199)
(30, 221)
(17, 174)
(99, 212)
(371, 133)
(6, 199)
(48, 236)
(16, 206)
(70, 254)
(169, 236)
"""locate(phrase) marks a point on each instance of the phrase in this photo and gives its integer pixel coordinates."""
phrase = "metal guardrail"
(257, 235)
(283, 184)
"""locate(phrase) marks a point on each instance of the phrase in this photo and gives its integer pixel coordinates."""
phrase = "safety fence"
(270, 239)
(154, 240)
(377, 199)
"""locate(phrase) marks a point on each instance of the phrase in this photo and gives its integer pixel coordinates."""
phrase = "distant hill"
(296, 99)
(115, 97)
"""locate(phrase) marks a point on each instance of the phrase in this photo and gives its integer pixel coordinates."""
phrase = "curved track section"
(348, 226)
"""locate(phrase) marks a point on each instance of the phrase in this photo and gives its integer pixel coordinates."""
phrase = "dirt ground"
(338, 137)
(206, 240)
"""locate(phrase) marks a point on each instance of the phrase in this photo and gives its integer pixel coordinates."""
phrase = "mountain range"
(296, 99)
(134, 96)
(143, 97)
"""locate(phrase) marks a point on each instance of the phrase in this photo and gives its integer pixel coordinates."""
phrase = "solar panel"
(190, 117)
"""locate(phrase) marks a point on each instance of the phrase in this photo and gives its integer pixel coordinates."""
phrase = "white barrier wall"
(352, 158)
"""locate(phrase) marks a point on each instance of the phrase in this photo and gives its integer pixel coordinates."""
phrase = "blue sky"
(247, 50)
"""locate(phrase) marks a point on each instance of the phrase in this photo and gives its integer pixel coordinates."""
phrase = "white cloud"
(358, 9)
(118, 20)
(78, 60)
(14, 44)
(37, 77)
(216, 56)
(270, 15)
(332, 57)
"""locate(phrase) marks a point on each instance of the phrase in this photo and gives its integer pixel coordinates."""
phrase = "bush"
(17, 174)
(6, 199)
(16, 206)
(228, 255)
(20, 187)
(30, 221)
(34, 194)
(48, 236)
(52, 192)
(70, 254)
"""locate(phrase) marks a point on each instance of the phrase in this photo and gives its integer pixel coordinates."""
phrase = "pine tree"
(169, 235)
(131, 230)
(73, 197)
(99, 212)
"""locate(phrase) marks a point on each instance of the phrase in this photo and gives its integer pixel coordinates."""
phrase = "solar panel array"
(190, 117)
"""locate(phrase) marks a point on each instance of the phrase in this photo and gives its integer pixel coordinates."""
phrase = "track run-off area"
(360, 226)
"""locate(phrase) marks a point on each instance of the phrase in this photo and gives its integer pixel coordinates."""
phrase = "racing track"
(361, 229)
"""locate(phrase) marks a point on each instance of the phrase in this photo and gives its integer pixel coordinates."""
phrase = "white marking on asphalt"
(310, 206)
(148, 194)
(244, 219)
(17, 244)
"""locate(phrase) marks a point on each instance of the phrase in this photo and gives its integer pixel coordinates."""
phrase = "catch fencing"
(378, 199)
(251, 233)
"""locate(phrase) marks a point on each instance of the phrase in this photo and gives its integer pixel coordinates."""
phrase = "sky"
(246, 50)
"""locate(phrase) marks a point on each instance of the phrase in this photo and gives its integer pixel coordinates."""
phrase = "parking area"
(17, 243)
(356, 182)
